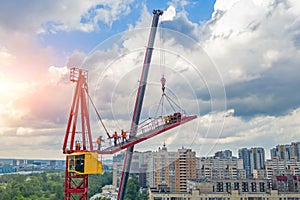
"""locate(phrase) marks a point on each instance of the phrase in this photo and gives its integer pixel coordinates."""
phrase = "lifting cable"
(162, 60)
(163, 80)
(98, 115)
(171, 102)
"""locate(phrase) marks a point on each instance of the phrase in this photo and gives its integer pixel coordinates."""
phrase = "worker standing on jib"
(123, 134)
(115, 136)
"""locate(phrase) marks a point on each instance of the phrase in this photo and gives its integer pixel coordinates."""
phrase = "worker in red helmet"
(115, 136)
(123, 134)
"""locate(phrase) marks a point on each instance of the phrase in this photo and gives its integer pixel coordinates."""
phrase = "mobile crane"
(81, 156)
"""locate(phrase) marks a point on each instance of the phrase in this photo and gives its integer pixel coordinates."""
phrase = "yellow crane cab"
(84, 163)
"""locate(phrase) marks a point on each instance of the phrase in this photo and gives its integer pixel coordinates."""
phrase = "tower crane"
(81, 156)
(81, 159)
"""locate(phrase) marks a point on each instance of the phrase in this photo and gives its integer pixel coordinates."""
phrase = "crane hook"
(163, 82)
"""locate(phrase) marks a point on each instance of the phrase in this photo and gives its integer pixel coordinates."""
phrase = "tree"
(132, 190)
(96, 182)
(44, 186)
(31, 186)
(143, 195)
(102, 198)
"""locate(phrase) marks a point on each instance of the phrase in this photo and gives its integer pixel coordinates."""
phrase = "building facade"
(277, 167)
(253, 159)
(220, 168)
(160, 167)
(205, 189)
(286, 152)
(185, 168)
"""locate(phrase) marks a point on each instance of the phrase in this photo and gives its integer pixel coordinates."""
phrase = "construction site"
(84, 152)
(112, 100)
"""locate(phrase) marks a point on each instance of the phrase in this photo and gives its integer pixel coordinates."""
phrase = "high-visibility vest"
(123, 134)
(115, 135)
(98, 140)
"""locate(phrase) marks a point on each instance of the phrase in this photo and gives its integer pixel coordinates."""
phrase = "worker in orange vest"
(77, 145)
(123, 134)
(115, 136)
(99, 141)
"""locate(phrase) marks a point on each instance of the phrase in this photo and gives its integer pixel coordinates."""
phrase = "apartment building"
(253, 158)
(220, 168)
(206, 189)
(185, 168)
(160, 167)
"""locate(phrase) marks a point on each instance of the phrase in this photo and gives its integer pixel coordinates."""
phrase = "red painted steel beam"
(144, 136)
(76, 186)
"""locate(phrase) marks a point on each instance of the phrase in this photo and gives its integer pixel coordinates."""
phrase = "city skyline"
(236, 70)
(216, 153)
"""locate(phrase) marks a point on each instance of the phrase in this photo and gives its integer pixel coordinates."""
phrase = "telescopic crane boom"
(139, 103)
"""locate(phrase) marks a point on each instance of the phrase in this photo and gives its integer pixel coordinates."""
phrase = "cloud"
(181, 24)
(169, 14)
(223, 130)
(6, 58)
(250, 35)
(255, 52)
(24, 131)
(245, 59)
(112, 11)
(187, 71)
(53, 16)
(76, 59)
(58, 74)
(37, 91)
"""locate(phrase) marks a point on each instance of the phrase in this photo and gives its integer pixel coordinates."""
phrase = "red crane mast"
(81, 159)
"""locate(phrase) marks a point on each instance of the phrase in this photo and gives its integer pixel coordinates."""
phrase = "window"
(261, 186)
(236, 185)
(228, 187)
(79, 165)
(253, 187)
(245, 187)
(72, 164)
(220, 187)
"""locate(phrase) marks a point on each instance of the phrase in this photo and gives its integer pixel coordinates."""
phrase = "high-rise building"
(220, 168)
(244, 154)
(295, 150)
(282, 152)
(253, 158)
(161, 167)
(164, 168)
(223, 154)
(117, 168)
(286, 152)
(185, 168)
(257, 158)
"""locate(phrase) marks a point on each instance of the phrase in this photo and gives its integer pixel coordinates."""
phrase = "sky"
(233, 63)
